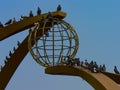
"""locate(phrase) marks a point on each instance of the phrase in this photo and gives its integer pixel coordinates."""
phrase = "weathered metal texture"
(98, 81)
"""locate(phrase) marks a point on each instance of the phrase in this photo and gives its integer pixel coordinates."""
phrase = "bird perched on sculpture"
(10, 53)
(116, 70)
(14, 49)
(59, 8)
(38, 11)
(8, 22)
(5, 61)
(18, 43)
(1, 25)
(31, 14)
(14, 20)
(7, 58)
(49, 16)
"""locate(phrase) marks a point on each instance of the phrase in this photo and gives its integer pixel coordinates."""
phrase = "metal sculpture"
(21, 51)
(59, 41)
(43, 37)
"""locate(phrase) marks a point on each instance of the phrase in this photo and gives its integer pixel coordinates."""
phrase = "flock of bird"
(92, 66)
(9, 56)
(10, 21)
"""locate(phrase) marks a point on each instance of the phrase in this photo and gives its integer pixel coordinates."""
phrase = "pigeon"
(1, 25)
(8, 22)
(14, 20)
(1, 67)
(38, 11)
(30, 14)
(18, 43)
(14, 49)
(59, 8)
(49, 16)
(5, 61)
(10, 53)
(7, 58)
(116, 70)
(104, 67)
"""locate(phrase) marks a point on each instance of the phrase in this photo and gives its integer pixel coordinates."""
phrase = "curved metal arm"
(19, 54)
(98, 81)
(25, 24)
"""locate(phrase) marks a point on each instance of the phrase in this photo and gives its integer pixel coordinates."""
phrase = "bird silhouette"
(31, 14)
(1, 67)
(59, 8)
(38, 11)
(116, 70)
(18, 43)
(7, 58)
(5, 61)
(1, 25)
(49, 16)
(14, 49)
(14, 20)
(10, 53)
(104, 67)
(8, 22)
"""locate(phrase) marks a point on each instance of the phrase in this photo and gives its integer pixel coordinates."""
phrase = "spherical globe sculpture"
(51, 41)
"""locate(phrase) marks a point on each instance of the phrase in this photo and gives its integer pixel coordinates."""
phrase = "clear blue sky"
(97, 24)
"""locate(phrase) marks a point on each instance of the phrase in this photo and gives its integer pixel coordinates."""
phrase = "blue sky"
(95, 21)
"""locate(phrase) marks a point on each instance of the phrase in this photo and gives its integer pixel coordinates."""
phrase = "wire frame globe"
(51, 41)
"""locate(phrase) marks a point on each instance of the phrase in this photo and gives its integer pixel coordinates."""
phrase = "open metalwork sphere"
(51, 41)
